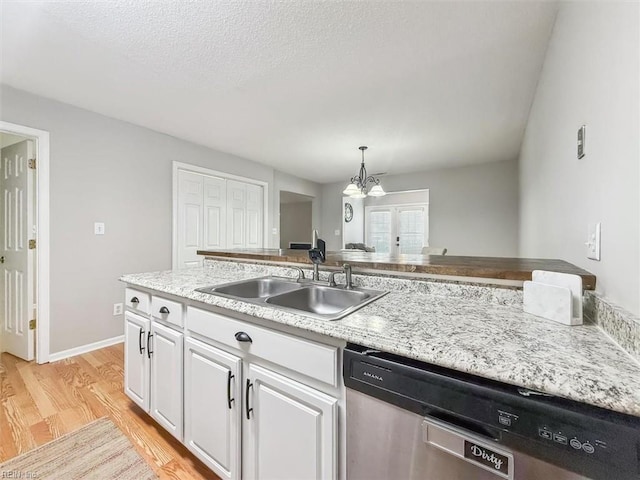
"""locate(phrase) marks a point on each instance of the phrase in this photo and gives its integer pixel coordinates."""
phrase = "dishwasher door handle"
(470, 448)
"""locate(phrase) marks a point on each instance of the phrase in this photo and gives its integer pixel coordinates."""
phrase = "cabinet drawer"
(167, 310)
(137, 301)
(306, 357)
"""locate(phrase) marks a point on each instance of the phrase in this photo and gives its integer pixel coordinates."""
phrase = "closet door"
(215, 213)
(236, 214)
(253, 235)
(190, 206)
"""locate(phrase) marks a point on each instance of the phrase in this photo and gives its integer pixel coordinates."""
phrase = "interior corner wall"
(473, 210)
(106, 170)
(284, 182)
(590, 77)
(298, 224)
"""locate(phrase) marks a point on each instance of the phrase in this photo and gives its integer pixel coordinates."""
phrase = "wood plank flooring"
(39, 403)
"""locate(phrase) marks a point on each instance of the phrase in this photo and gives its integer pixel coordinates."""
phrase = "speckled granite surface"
(621, 325)
(474, 334)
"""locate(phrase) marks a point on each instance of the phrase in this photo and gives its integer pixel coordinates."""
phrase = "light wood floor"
(42, 402)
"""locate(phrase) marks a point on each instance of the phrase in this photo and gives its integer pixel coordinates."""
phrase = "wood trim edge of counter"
(502, 268)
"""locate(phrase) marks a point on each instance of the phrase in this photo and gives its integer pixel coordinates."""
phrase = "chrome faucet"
(300, 273)
(317, 254)
(348, 283)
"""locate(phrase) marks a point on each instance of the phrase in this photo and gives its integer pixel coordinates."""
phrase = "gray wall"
(295, 223)
(109, 171)
(472, 210)
(590, 76)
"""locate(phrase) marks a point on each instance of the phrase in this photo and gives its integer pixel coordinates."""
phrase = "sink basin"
(307, 298)
(255, 288)
(320, 300)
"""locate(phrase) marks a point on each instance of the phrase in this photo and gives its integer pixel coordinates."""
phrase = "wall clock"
(348, 212)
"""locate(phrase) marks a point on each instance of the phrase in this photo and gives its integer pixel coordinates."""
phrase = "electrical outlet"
(337, 233)
(117, 309)
(98, 228)
(274, 231)
(593, 241)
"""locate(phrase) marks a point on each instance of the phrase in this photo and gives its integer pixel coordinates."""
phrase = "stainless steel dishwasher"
(411, 420)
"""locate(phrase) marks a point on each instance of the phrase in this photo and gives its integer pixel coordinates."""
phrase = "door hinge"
(32, 324)
(32, 164)
(32, 244)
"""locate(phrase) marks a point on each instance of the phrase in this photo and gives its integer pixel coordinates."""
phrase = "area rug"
(98, 451)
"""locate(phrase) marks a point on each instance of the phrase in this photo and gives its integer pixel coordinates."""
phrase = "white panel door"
(236, 214)
(215, 213)
(136, 359)
(166, 378)
(190, 218)
(291, 430)
(17, 260)
(213, 407)
(254, 216)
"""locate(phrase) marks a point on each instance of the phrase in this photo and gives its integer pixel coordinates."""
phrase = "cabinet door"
(291, 432)
(136, 360)
(212, 407)
(166, 378)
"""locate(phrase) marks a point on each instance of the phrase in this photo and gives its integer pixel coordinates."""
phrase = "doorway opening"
(296, 216)
(24, 242)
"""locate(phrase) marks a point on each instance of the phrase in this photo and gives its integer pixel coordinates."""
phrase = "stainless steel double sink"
(299, 296)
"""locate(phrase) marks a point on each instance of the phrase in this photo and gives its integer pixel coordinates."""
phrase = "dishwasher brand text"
(373, 375)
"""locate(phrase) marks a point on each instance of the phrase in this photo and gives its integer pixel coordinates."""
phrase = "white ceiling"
(295, 84)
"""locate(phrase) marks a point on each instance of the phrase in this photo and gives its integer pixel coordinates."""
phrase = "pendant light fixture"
(357, 187)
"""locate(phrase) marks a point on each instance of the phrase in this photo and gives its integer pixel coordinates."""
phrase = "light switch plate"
(336, 233)
(98, 228)
(581, 139)
(593, 241)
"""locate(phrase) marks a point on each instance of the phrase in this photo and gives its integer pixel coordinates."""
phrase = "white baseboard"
(72, 352)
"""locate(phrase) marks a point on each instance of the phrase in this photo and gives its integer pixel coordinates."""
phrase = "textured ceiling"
(295, 84)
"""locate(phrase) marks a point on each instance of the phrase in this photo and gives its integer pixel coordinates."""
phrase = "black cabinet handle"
(140, 347)
(229, 399)
(246, 399)
(164, 310)
(243, 337)
(135, 300)
(149, 352)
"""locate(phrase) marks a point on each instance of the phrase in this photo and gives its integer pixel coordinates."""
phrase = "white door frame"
(41, 138)
(213, 173)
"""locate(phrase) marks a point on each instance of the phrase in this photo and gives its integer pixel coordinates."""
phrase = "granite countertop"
(501, 268)
(489, 339)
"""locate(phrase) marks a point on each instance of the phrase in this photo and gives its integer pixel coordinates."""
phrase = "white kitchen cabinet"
(249, 401)
(166, 378)
(136, 359)
(291, 429)
(212, 407)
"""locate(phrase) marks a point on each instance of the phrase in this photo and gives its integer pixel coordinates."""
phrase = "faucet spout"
(317, 254)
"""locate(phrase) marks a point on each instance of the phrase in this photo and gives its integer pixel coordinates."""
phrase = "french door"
(400, 229)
